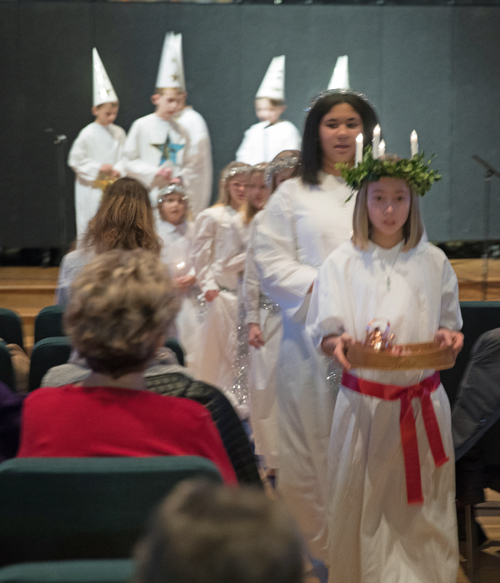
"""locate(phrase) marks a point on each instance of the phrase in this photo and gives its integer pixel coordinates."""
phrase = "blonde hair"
(228, 173)
(413, 229)
(124, 219)
(120, 306)
(250, 211)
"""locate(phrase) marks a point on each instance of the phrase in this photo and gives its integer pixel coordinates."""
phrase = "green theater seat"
(88, 571)
(11, 328)
(48, 323)
(47, 353)
(6, 369)
(55, 509)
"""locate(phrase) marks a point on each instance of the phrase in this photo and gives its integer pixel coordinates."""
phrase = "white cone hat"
(103, 91)
(340, 76)
(273, 84)
(170, 72)
(180, 60)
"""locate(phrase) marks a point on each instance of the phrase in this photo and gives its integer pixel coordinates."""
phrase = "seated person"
(120, 306)
(204, 533)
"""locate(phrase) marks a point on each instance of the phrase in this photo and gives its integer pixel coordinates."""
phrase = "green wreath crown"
(414, 171)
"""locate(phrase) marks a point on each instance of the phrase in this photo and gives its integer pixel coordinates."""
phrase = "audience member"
(204, 533)
(120, 307)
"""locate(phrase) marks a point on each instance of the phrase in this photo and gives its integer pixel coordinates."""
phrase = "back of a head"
(124, 219)
(205, 533)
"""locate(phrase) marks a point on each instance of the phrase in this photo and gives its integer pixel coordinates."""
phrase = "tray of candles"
(378, 351)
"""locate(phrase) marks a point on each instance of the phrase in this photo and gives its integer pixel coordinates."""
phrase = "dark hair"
(124, 219)
(206, 533)
(312, 155)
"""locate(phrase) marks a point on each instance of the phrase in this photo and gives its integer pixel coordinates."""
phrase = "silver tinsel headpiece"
(174, 188)
(277, 166)
(235, 170)
(329, 92)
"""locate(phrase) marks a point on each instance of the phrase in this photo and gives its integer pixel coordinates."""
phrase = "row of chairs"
(51, 348)
(79, 510)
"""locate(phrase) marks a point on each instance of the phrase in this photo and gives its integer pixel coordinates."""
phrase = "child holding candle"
(391, 515)
(176, 233)
(217, 283)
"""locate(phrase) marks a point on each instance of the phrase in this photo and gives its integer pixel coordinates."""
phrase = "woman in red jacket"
(121, 305)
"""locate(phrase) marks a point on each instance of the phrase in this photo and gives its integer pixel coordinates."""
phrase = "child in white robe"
(391, 517)
(265, 331)
(98, 149)
(266, 139)
(218, 284)
(176, 232)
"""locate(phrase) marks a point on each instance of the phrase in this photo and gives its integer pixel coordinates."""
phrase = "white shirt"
(153, 142)
(351, 290)
(201, 172)
(176, 250)
(298, 229)
(262, 142)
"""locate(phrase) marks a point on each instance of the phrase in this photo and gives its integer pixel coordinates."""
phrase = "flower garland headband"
(414, 171)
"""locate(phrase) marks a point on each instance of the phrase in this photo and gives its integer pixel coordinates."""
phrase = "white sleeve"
(80, 161)
(119, 165)
(450, 317)
(250, 287)
(276, 254)
(246, 151)
(233, 260)
(325, 315)
(202, 250)
(134, 166)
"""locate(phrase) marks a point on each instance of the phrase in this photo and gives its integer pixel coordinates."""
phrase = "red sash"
(409, 442)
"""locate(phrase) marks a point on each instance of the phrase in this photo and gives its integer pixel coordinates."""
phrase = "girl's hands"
(447, 337)
(185, 282)
(211, 294)
(336, 346)
(255, 337)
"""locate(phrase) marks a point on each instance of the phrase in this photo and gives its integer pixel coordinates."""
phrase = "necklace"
(388, 280)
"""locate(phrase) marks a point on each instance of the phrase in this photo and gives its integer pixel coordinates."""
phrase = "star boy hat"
(170, 70)
(340, 75)
(103, 91)
(273, 84)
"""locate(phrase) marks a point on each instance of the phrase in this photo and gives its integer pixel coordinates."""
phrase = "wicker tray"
(425, 355)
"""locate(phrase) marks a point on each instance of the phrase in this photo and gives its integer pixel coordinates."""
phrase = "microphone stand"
(59, 140)
(488, 175)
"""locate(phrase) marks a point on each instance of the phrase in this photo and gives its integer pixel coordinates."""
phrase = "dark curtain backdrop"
(433, 69)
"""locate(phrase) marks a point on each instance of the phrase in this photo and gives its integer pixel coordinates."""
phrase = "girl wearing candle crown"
(391, 472)
(306, 219)
(217, 283)
(176, 232)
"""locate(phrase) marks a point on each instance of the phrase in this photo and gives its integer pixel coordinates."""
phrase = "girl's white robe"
(375, 535)
(263, 362)
(262, 142)
(176, 253)
(217, 348)
(94, 146)
(298, 229)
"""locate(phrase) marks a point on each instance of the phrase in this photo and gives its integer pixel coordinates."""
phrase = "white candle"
(376, 141)
(359, 149)
(381, 148)
(414, 143)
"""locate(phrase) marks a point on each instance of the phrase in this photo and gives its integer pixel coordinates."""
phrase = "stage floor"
(27, 290)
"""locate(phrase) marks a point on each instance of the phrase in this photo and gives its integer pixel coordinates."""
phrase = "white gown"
(200, 180)
(144, 151)
(262, 142)
(218, 339)
(94, 146)
(375, 535)
(176, 254)
(298, 229)
(260, 309)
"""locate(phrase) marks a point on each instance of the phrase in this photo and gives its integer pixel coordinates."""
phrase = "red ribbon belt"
(407, 427)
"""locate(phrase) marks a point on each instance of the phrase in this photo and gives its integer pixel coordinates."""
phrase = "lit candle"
(359, 149)
(414, 143)
(381, 148)
(375, 142)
